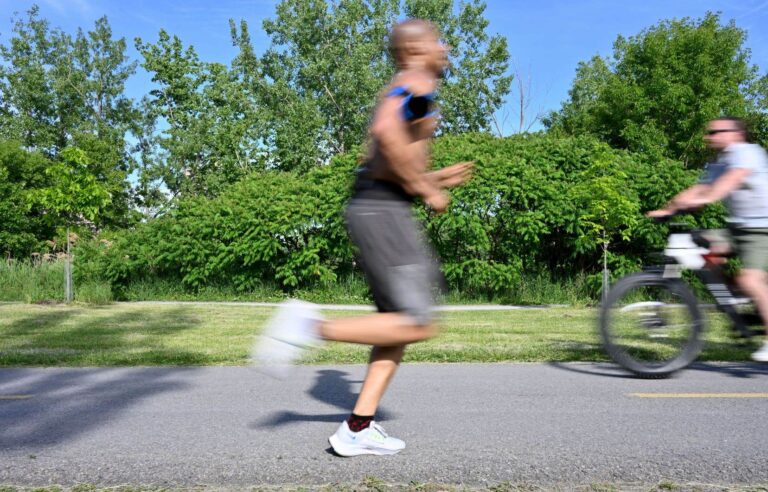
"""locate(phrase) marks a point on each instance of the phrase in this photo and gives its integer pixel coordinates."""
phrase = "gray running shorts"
(394, 255)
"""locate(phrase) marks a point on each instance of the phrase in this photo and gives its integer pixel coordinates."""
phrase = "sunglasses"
(715, 132)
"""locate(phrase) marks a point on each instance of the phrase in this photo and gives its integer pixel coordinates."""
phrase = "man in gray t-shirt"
(748, 203)
(739, 176)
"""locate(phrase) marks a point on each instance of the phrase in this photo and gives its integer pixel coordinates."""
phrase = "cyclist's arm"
(721, 187)
(680, 201)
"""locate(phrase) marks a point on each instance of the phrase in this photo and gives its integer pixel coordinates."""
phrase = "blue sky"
(546, 38)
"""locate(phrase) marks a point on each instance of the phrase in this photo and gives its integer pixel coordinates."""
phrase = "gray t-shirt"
(748, 204)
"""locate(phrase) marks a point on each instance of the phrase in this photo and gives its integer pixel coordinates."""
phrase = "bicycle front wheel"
(651, 325)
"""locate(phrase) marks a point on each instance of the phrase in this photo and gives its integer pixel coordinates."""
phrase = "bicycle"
(651, 322)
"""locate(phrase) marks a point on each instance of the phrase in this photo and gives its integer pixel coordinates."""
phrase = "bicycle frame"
(687, 251)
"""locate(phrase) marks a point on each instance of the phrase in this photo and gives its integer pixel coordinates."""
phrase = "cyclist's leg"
(752, 248)
(720, 241)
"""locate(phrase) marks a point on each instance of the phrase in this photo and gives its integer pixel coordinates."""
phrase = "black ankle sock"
(357, 423)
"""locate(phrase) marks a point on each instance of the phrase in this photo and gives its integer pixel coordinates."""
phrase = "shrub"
(538, 206)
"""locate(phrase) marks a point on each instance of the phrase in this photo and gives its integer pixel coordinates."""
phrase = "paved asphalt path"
(471, 424)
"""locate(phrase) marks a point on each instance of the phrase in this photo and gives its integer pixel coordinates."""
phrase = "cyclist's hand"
(657, 214)
(696, 203)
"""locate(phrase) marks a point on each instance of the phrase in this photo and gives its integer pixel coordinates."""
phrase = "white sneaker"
(291, 330)
(762, 354)
(371, 440)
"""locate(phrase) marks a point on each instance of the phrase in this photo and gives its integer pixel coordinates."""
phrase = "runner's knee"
(424, 331)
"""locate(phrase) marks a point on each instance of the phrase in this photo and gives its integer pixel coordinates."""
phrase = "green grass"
(130, 334)
(22, 281)
(346, 290)
(352, 289)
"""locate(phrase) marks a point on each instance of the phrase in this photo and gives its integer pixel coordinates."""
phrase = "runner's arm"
(450, 176)
(400, 151)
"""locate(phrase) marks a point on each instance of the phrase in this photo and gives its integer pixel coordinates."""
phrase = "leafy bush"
(23, 225)
(271, 225)
(538, 207)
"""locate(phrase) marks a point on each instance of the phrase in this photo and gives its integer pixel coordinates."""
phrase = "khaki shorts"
(750, 245)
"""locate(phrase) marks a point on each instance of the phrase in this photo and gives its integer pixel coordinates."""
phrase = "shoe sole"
(348, 451)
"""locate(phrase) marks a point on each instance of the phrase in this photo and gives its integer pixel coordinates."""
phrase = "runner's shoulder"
(416, 82)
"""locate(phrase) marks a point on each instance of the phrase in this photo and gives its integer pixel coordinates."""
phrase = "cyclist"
(738, 175)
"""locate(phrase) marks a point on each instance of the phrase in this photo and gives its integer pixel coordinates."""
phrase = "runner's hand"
(454, 175)
(438, 201)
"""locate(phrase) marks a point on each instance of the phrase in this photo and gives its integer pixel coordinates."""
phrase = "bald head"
(408, 32)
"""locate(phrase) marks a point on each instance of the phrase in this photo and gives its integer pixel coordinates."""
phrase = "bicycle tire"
(636, 357)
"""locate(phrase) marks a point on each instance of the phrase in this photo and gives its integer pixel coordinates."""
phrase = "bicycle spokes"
(649, 325)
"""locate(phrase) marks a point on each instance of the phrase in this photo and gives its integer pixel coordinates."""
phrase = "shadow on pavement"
(50, 405)
(594, 369)
(733, 369)
(332, 387)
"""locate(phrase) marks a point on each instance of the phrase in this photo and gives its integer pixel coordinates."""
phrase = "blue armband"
(415, 107)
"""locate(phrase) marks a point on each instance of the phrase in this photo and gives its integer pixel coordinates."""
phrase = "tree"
(75, 195)
(212, 126)
(522, 96)
(477, 81)
(580, 113)
(320, 78)
(604, 210)
(22, 224)
(60, 91)
(660, 87)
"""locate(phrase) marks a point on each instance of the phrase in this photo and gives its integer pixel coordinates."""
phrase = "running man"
(740, 176)
(391, 246)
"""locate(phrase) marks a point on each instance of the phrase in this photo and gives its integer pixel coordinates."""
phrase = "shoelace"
(379, 429)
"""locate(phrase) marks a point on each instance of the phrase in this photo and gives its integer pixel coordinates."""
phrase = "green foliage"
(26, 281)
(660, 87)
(62, 91)
(94, 292)
(537, 204)
(74, 191)
(603, 208)
(327, 62)
(320, 78)
(212, 135)
(23, 225)
(477, 81)
(542, 203)
(270, 225)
